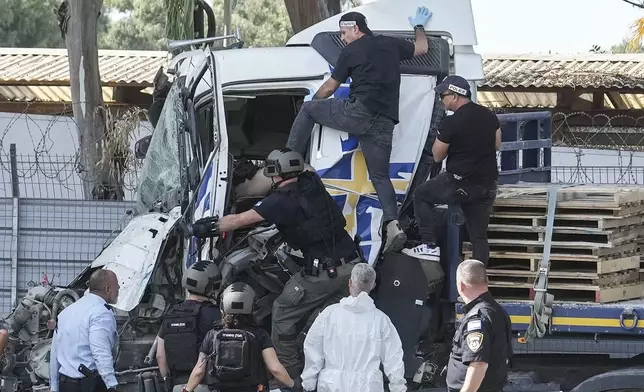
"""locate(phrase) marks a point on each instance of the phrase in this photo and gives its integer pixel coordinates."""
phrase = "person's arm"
(474, 376)
(235, 221)
(54, 366)
(276, 368)
(418, 22)
(477, 351)
(340, 74)
(391, 357)
(314, 352)
(443, 139)
(162, 361)
(327, 89)
(102, 330)
(198, 373)
(421, 44)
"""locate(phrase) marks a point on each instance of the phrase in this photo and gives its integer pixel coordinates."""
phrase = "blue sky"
(560, 26)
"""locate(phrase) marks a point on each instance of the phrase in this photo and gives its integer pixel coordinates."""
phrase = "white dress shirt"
(85, 334)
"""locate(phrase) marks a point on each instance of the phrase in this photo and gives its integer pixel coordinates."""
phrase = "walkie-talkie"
(330, 268)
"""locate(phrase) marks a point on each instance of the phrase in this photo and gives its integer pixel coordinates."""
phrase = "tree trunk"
(306, 13)
(87, 100)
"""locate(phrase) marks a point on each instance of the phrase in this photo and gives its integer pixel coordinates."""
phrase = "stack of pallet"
(595, 248)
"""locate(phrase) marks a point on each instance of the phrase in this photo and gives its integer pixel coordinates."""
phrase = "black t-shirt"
(281, 210)
(209, 315)
(264, 339)
(373, 63)
(484, 336)
(471, 135)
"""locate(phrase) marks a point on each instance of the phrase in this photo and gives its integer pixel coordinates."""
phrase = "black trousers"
(87, 384)
(475, 200)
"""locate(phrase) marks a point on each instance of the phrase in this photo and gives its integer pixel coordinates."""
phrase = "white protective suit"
(345, 346)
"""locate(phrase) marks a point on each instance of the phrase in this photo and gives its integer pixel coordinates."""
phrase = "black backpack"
(236, 360)
(181, 336)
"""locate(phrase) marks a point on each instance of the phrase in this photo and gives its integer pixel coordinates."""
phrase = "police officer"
(82, 357)
(311, 222)
(482, 345)
(222, 352)
(185, 325)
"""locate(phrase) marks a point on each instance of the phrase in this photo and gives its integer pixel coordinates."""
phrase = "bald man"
(85, 335)
(482, 345)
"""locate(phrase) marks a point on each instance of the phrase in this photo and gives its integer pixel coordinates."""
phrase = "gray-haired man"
(348, 341)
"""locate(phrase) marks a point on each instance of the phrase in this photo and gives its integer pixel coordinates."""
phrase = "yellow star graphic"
(359, 184)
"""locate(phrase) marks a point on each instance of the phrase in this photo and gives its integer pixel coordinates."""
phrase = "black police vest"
(181, 327)
(236, 361)
(323, 220)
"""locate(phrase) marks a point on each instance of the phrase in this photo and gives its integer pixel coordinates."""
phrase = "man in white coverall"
(348, 341)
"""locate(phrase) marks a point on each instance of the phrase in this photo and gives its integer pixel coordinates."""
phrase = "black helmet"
(238, 298)
(281, 162)
(202, 278)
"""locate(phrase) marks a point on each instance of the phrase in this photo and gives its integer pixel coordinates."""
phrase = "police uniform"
(309, 220)
(484, 335)
(85, 336)
(183, 330)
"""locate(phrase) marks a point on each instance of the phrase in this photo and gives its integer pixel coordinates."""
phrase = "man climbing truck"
(371, 112)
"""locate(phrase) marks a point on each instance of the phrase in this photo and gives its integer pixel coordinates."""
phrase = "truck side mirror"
(141, 147)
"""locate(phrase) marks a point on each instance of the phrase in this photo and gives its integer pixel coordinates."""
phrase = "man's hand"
(422, 17)
(206, 227)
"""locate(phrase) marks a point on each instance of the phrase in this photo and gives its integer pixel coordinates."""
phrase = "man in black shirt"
(469, 139)
(310, 221)
(371, 112)
(482, 346)
(186, 324)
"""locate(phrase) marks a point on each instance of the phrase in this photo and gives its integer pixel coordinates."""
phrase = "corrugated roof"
(560, 71)
(51, 67)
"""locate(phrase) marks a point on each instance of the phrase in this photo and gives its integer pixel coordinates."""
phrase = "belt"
(70, 379)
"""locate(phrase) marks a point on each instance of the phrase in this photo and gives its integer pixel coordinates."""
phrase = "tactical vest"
(181, 337)
(323, 221)
(236, 361)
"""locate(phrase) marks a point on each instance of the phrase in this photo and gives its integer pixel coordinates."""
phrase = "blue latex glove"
(421, 18)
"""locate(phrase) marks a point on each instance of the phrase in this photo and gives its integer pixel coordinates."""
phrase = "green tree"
(134, 24)
(30, 24)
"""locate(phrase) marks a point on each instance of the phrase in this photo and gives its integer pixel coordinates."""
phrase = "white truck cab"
(247, 100)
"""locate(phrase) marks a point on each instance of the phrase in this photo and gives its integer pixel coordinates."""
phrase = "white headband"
(347, 23)
(457, 89)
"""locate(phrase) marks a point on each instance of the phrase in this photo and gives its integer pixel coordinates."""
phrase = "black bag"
(236, 360)
(182, 336)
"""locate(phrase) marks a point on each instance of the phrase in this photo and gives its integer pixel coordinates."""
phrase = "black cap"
(359, 19)
(456, 84)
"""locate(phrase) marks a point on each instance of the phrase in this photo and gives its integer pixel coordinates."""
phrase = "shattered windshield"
(160, 177)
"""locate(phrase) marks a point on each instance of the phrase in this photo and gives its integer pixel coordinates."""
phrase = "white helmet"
(202, 278)
(285, 161)
(238, 298)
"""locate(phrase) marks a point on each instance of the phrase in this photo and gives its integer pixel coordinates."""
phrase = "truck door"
(212, 192)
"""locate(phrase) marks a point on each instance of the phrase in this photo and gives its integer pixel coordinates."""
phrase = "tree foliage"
(141, 24)
(30, 24)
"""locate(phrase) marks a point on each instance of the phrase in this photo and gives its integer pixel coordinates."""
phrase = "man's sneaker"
(425, 252)
(396, 238)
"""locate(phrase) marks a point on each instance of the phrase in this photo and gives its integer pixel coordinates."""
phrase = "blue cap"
(454, 83)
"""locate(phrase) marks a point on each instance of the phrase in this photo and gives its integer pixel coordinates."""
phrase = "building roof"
(43, 75)
(51, 67)
(600, 71)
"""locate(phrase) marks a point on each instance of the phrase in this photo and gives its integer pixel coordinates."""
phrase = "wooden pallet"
(566, 277)
(574, 197)
(558, 250)
(566, 292)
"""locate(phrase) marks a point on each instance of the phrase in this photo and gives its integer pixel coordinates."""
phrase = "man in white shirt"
(85, 335)
(348, 341)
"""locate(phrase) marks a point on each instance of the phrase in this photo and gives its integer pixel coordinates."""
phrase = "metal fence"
(48, 235)
(627, 175)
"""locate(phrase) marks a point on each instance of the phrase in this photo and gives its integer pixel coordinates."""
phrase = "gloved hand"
(422, 17)
(206, 227)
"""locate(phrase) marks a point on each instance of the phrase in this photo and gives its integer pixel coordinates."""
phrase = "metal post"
(14, 226)
(228, 10)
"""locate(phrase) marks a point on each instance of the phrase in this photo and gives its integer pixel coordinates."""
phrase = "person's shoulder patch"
(474, 325)
(474, 341)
